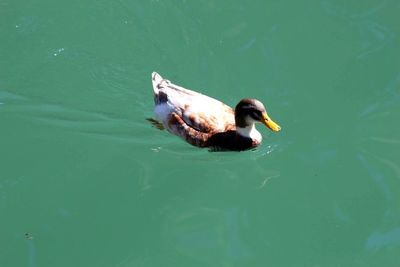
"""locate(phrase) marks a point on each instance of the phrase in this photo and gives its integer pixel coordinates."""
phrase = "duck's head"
(250, 111)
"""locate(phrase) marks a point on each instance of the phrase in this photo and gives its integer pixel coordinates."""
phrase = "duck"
(205, 122)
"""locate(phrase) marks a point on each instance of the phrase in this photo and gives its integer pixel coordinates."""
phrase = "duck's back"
(198, 111)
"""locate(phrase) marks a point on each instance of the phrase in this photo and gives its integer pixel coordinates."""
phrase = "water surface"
(85, 180)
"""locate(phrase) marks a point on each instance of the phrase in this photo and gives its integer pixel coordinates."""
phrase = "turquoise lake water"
(85, 180)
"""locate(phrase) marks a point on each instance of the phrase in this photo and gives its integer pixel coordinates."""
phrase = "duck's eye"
(255, 115)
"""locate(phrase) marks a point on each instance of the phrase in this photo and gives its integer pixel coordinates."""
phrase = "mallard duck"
(206, 122)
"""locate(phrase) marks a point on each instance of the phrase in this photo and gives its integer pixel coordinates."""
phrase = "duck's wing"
(194, 137)
(209, 118)
(203, 113)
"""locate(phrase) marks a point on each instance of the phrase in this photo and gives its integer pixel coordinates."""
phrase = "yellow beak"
(269, 123)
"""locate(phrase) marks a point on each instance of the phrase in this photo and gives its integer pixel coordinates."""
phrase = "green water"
(85, 180)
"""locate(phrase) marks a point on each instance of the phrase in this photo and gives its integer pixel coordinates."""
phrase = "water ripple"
(97, 124)
(335, 9)
(380, 240)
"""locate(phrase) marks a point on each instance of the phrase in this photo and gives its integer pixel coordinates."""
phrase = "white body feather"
(250, 132)
(186, 103)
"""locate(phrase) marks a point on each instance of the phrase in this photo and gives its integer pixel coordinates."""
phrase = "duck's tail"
(159, 83)
(156, 80)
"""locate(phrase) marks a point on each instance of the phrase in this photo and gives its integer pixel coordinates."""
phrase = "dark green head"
(249, 111)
